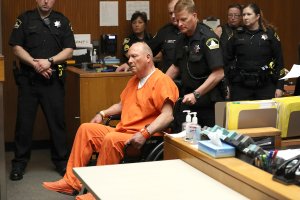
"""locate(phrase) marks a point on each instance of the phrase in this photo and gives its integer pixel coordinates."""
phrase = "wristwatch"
(51, 60)
(196, 94)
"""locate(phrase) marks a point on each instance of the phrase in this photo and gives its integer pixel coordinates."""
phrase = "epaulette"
(126, 40)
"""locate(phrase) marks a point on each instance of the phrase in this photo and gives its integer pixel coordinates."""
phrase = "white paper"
(132, 6)
(79, 52)
(182, 134)
(82, 39)
(294, 73)
(212, 23)
(288, 153)
(109, 14)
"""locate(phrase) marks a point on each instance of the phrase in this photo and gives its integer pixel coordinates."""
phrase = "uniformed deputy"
(165, 39)
(199, 61)
(138, 25)
(225, 32)
(42, 39)
(255, 57)
(234, 20)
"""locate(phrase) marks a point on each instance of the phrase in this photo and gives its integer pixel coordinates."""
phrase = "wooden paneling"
(2, 152)
(2, 75)
(84, 16)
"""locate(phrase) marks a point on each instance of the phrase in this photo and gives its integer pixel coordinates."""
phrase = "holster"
(224, 87)
(60, 72)
(253, 79)
(16, 72)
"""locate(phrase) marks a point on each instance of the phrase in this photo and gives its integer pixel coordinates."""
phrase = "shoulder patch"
(276, 36)
(126, 40)
(126, 47)
(18, 23)
(212, 43)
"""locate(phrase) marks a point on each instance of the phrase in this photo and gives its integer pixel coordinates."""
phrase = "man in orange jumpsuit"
(146, 107)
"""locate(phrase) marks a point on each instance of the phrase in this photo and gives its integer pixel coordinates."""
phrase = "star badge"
(264, 37)
(197, 48)
(57, 24)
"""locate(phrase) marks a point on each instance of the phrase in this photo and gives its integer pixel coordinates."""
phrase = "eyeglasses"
(234, 15)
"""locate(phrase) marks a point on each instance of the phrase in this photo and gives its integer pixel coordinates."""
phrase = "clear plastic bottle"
(194, 129)
(94, 56)
(188, 119)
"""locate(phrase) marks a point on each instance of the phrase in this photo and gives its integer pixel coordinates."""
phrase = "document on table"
(182, 134)
(288, 153)
(294, 73)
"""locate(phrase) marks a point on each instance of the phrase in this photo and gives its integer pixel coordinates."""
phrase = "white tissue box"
(215, 151)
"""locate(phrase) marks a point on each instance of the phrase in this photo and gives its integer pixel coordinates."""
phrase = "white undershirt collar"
(143, 80)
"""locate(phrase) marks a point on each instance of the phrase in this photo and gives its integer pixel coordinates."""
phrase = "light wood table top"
(237, 174)
(159, 180)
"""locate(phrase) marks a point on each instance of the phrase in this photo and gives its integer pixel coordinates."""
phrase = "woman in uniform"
(139, 33)
(255, 58)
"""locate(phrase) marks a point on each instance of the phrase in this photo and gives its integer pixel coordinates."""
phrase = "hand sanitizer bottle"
(94, 56)
(195, 129)
(188, 119)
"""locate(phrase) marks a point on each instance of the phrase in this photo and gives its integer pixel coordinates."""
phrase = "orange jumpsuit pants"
(92, 137)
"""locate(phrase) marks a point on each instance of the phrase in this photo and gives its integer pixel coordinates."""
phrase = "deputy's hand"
(97, 119)
(278, 93)
(137, 140)
(44, 64)
(123, 68)
(36, 66)
(46, 73)
(189, 99)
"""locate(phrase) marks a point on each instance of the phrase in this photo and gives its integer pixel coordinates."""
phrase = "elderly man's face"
(138, 59)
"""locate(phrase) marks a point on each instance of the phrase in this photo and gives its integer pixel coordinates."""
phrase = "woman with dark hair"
(255, 58)
(139, 33)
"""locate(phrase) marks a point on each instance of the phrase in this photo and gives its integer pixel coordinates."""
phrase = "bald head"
(140, 59)
(143, 48)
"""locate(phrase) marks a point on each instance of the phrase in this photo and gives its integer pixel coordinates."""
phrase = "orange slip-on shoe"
(87, 196)
(60, 186)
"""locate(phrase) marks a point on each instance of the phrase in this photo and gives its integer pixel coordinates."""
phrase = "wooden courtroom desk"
(159, 180)
(232, 172)
(88, 92)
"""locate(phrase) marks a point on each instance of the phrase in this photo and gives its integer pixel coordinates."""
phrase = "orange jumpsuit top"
(142, 106)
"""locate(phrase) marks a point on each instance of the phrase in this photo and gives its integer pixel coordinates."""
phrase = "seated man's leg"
(111, 151)
(88, 138)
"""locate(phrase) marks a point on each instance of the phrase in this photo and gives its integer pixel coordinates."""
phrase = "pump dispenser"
(193, 130)
(188, 119)
(94, 56)
(194, 119)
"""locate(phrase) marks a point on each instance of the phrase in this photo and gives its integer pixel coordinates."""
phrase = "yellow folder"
(288, 116)
(251, 114)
